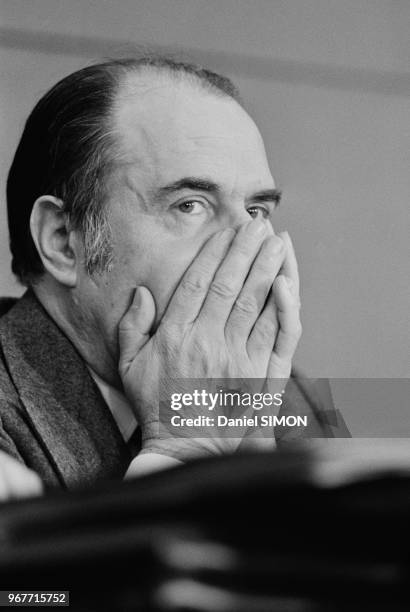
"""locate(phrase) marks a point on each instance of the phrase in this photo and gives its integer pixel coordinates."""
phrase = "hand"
(234, 315)
(16, 480)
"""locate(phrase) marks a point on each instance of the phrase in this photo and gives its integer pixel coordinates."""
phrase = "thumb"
(134, 327)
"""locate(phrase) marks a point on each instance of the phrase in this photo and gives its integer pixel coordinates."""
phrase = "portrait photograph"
(205, 304)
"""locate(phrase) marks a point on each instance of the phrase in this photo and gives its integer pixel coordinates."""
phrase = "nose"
(240, 217)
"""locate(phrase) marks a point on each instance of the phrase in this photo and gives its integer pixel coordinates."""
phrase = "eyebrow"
(267, 195)
(202, 184)
(189, 182)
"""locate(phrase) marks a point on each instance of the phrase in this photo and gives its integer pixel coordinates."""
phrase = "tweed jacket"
(53, 417)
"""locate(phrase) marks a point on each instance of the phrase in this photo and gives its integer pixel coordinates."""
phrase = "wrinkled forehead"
(165, 127)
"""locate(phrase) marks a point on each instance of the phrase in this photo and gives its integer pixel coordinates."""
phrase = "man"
(140, 206)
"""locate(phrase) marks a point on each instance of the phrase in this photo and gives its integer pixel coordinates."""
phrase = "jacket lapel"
(67, 412)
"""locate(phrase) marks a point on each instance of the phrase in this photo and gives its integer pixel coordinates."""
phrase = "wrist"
(148, 463)
(181, 449)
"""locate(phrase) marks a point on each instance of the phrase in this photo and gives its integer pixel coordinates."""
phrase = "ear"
(54, 241)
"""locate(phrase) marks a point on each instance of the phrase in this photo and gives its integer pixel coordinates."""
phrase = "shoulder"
(13, 418)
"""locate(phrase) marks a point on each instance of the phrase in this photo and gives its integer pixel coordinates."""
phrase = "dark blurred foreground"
(251, 533)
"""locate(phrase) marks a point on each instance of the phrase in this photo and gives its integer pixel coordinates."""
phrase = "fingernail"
(256, 228)
(289, 283)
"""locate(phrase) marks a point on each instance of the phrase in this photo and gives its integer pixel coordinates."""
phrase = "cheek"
(164, 271)
(148, 254)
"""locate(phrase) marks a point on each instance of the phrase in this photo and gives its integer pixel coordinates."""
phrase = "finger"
(263, 335)
(290, 328)
(134, 328)
(190, 294)
(4, 487)
(252, 298)
(16, 480)
(254, 441)
(290, 264)
(24, 483)
(231, 275)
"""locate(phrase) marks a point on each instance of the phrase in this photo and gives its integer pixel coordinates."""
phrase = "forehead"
(167, 129)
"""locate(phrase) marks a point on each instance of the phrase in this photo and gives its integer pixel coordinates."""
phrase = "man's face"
(191, 163)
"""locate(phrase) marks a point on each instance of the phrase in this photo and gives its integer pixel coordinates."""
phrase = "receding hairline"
(178, 74)
(137, 82)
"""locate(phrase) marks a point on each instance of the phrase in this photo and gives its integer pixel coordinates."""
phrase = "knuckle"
(263, 265)
(267, 329)
(247, 305)
(125, 325)
(194, 283)
(297, 331)
(223, 290)
(170, 335)
(266, 268)
(264, 334)
(242, 249)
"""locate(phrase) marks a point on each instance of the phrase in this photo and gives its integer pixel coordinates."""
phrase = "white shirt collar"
(119, 406)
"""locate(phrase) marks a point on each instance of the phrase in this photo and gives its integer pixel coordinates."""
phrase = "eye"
(191, 207)
(255, 210)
